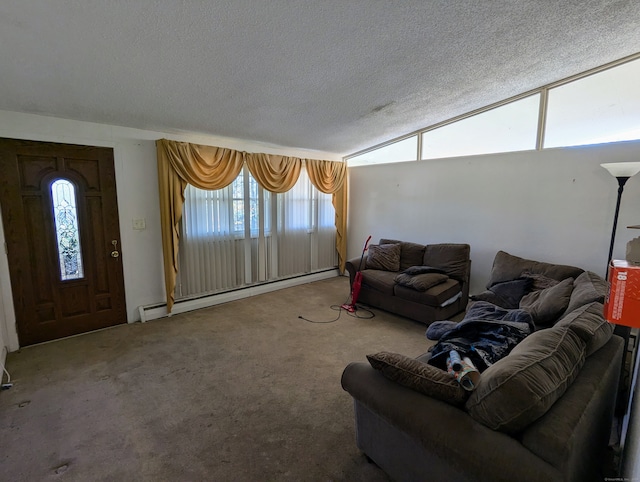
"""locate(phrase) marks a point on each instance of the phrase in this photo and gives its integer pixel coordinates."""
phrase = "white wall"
(555, 205)
(137, 188)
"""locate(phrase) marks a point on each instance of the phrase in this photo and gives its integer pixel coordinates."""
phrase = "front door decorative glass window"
(65, 215)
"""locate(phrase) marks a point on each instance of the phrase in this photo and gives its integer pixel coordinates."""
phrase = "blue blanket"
(485, 335)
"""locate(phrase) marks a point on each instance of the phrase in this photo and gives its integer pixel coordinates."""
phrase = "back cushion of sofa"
(507, 267)
(521, 387)
(411, 254)
(450, 257)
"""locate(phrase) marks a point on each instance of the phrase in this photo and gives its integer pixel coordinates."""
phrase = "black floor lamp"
(622, 171)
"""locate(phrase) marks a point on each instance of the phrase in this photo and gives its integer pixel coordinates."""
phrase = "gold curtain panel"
(208, 167)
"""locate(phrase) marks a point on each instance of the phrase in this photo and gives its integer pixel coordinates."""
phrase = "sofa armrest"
(352, 266)
(575, 432)
(452, 441)
(390, 399)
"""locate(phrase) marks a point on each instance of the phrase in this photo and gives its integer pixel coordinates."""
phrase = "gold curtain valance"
(274, 173)
(207, 167)
(204, 167)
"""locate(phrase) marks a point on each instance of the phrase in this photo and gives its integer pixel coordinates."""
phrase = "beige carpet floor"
(244, 391)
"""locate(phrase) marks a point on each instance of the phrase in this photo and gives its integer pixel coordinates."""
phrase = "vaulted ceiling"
(330, 75)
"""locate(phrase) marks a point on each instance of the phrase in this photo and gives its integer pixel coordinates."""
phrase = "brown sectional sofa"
(438, 302)
(542, 413)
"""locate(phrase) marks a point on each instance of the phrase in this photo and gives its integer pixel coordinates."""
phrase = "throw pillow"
(410, 253)
(419, 376)
(540, 281)
(421, 282)
(422, 270)
(548, 304)
(520, 388)
(507, 294)
(385, 257)
(488, 296)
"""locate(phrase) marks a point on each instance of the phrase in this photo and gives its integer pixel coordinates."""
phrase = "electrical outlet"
(139, 224)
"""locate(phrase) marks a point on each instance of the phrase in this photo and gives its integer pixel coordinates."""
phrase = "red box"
(622, 305)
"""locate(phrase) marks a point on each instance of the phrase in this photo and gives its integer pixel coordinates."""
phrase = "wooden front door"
(60, 216)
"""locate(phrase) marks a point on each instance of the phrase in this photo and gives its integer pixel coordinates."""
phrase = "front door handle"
(115, 253)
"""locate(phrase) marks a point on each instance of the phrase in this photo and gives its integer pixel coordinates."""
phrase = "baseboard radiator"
(159, 310)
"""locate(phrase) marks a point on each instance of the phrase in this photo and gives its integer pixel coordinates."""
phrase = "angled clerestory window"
(597, 106)
(509, 127)
(603, 107)
(400, 151)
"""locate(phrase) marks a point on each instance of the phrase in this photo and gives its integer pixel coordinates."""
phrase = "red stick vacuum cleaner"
(357, 283)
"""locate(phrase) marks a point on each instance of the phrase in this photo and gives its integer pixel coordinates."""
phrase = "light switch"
(139, 224)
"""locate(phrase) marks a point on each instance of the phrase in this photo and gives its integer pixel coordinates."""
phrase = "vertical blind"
(243, 234)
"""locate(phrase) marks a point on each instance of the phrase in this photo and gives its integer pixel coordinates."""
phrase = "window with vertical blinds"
(242, 235)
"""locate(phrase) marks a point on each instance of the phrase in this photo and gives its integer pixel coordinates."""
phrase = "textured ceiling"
(329, 75)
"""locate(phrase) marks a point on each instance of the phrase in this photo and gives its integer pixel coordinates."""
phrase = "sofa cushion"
(589, 323)
(419, 376)
(506, 294)
(421, 282)
(452, 258)
(434, 296)
(384, 256)
(507, 267)
(521, 387)
(411, 254)
(548, 304)
(379, 280)
(587, 288)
